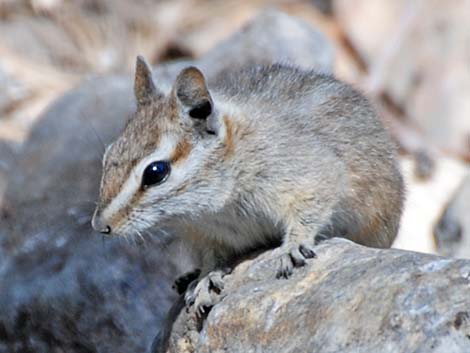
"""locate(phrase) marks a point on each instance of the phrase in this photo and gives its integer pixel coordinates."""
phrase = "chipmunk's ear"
(144, 87)
(193, 96)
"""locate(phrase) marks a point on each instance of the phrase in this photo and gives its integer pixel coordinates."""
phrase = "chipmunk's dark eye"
(155, 173)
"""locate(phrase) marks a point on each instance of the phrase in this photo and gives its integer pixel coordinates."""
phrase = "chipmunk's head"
(164, 164)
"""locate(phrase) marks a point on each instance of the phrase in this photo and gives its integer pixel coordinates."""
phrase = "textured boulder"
(62, 287)
(349, 299)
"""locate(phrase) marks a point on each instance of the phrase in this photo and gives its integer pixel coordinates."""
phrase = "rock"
(425, 201)
(295, 43)
(452, 231)
(325, 6)
(349, 299)
(13, 92)
(62, 287)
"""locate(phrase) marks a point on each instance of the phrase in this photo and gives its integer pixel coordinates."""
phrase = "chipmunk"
(262, 154)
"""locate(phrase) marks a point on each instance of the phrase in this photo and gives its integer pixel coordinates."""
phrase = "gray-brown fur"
(295, 155)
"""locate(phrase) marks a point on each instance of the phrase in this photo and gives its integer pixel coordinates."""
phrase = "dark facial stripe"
(229, 139)
(181, 152)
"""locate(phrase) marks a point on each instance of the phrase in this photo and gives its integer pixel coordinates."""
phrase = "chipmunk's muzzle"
(98, 224)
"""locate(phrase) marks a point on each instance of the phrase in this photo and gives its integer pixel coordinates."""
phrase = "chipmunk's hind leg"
(338, 227)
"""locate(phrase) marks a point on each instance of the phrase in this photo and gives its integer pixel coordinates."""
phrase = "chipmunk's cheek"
(122, 229)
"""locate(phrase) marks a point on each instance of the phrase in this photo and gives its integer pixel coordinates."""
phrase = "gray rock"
(325, 6)
(12, 92)
(63, 288)
(295, 43)
(452, 231)
(350, 299)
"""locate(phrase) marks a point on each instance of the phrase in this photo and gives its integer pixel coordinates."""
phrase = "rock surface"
(63, 288)
(349, 299)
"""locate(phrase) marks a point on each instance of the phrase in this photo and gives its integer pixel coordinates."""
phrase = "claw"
(285, 268)
(307, 251)
(205, 293)
(297, 257)
(190, 295)
(294, 256)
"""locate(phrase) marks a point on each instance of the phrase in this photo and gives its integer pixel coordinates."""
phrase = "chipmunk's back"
(308, 129)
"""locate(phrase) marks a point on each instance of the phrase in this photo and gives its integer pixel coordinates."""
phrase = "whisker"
(139, 234)
(93, 129)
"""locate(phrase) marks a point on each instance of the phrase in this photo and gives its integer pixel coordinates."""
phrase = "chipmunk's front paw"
(205, 293)
(294, 255)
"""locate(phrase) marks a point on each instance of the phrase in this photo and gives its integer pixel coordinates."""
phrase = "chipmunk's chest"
(238, 231)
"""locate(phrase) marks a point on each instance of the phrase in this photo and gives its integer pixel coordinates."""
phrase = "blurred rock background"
(412, 58)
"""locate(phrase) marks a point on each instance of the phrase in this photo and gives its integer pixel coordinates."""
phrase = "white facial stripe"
(132, 184)
(123, 198)
(105, 155)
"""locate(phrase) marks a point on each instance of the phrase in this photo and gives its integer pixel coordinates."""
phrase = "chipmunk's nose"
(98, 224)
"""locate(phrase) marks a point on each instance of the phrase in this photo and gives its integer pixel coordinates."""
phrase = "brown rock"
(349, 299)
